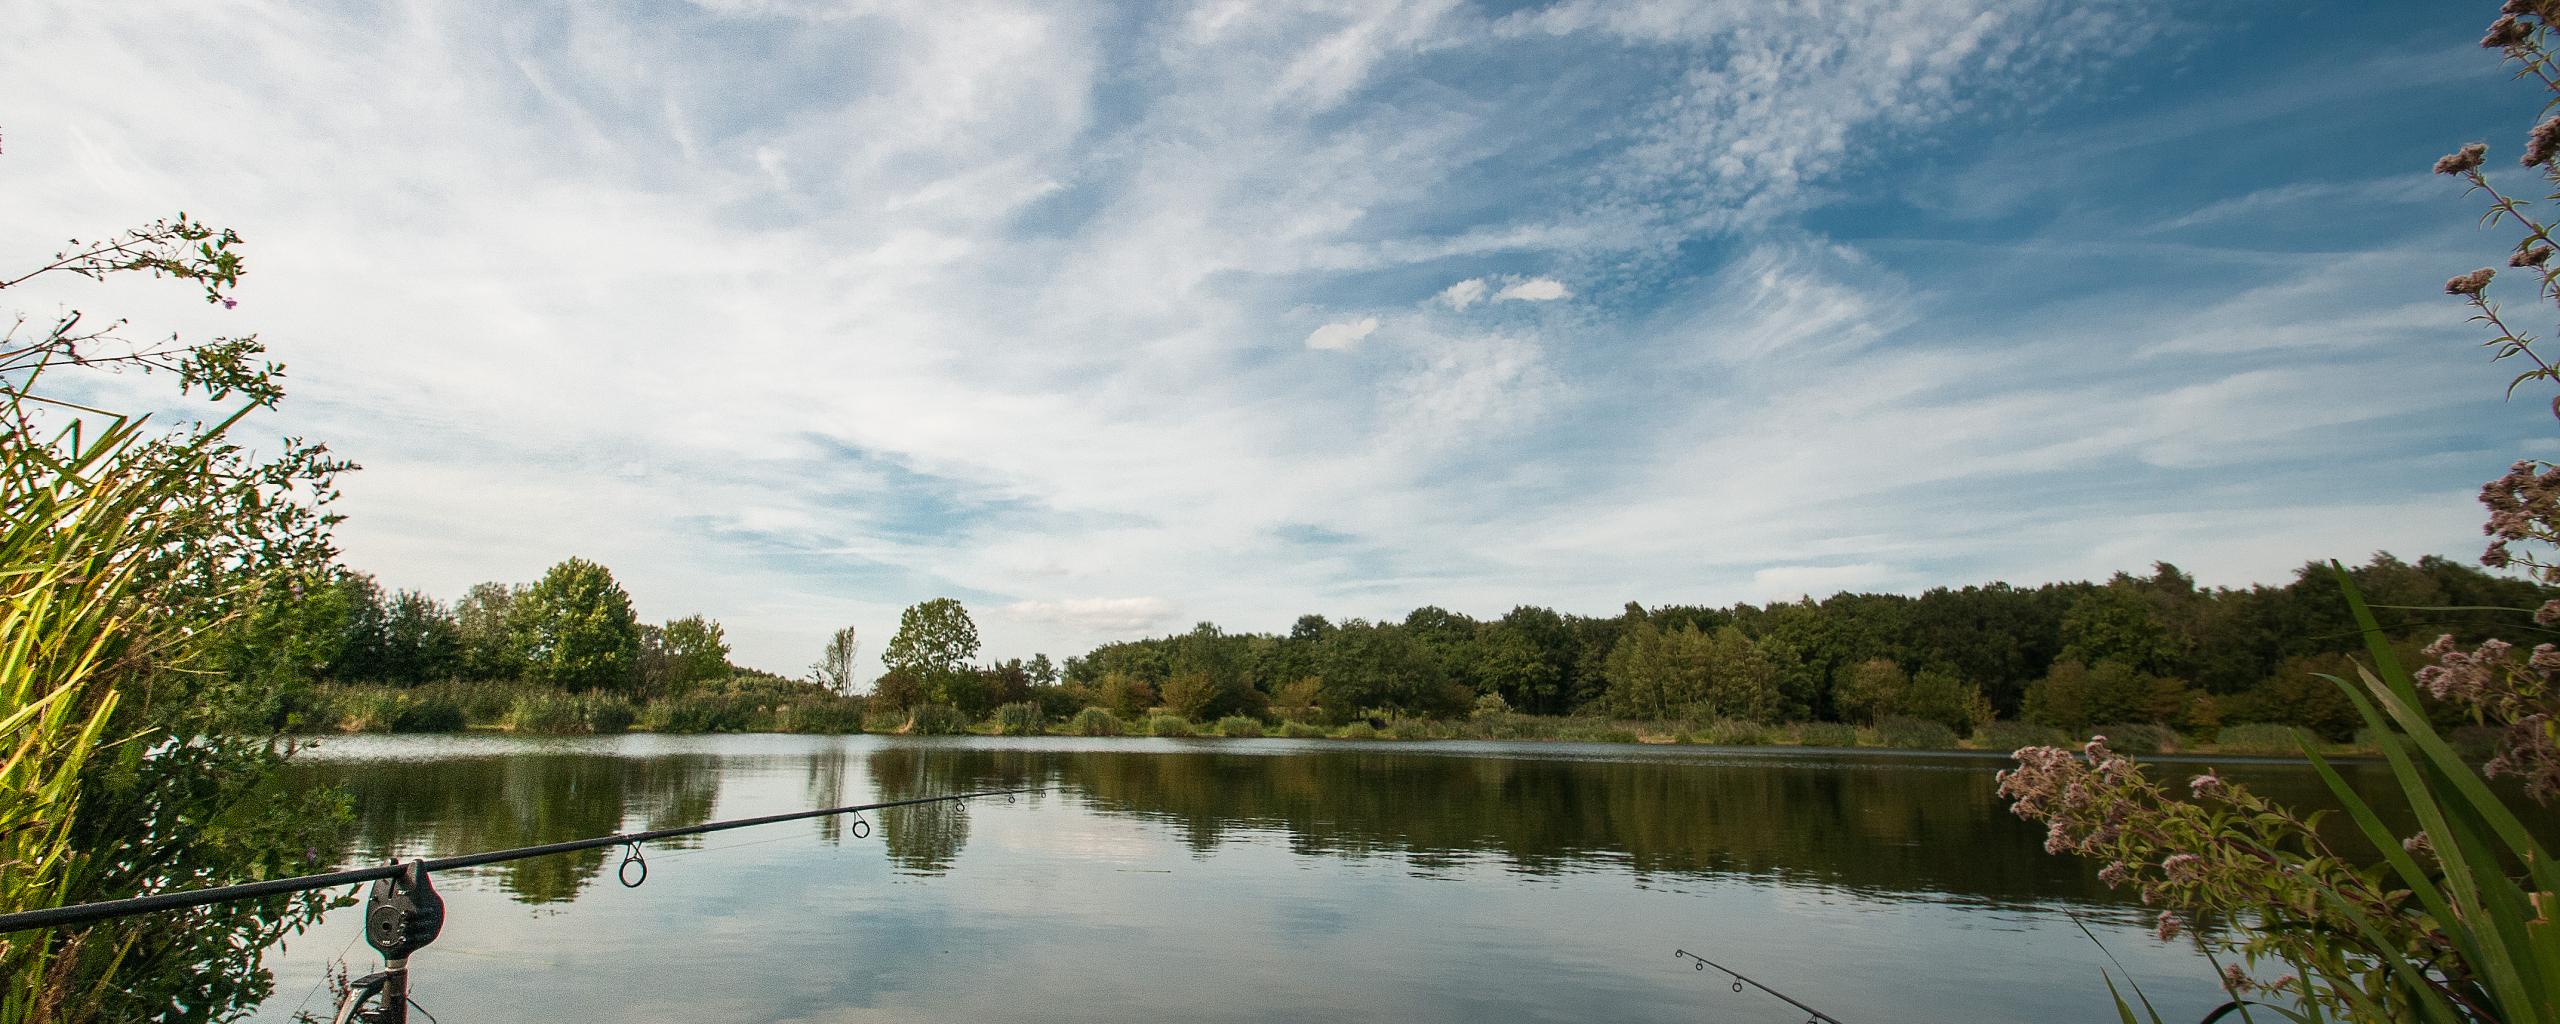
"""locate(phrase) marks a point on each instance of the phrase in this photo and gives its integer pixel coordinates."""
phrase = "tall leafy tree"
(484, 624)
(686, 650)
(574, 629)
(934, 643)
(420, 642)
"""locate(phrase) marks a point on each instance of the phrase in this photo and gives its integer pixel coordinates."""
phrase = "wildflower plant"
(2460, 921)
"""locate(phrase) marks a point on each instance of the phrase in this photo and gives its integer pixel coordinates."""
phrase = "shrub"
(937, 720)
(2016, 735)
(1297, 730)
(426, 712)
(1357, 731)
(1827, 734)
(1239, 725)
(1021, 718)
(1736, 732)
(1171, 725)
(1591, 730)
(1408, 728)
(829, 717)
(1094, 722)
(2139, 737)
(2263, 738)
(1906, 733)
(695, 712)
(1512, 726)
(555, 713)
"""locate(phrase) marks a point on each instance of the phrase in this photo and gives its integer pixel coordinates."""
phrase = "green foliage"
(1872, 687)
(1021, 718)
(1658, 674)
(1171, 725)
(834, 668)
(933, 645)
(1297, 730)
(2139, 737)
(2013, 735)
(150, 583)
(1915, 734)
(684, 651)
(936, 720)
(381, 709)
(1827, 734)
(484, 632)
(1094, 722)
(1735, 732)
(574, 629)
(1356, 731)
(2119, 623)
(1189, 695)
(897, 689)
(1125, 695)
(552, 712)
(2264, 738)
(1239, 726)
(1408, 727)
(2072, 697)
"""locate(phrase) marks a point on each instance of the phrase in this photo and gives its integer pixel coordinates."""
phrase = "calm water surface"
(1261, 880)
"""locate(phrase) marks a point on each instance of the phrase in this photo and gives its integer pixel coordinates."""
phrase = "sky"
(1110, 319)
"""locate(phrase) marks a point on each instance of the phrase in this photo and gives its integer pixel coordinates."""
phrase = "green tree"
(420, 642)
(684, 651)
(484, 624)
(934, 642)
(2117, 623)
(1873, 688)
(574, 629)
(146, 574)
(2073, 696)
(362, 645)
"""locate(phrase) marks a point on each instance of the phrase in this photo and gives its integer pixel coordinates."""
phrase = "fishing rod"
(403, 913)
(1739, 980)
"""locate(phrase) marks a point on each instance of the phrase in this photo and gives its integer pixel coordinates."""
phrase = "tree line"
(2153, 648)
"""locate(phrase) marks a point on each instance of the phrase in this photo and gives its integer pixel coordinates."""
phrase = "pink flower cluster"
(2496, 686)
(2523, 505)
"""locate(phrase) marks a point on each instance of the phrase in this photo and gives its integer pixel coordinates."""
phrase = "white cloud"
(1464, 293)
(1335, 337)
(978, 301)
(1114, 615)
(1536, 289)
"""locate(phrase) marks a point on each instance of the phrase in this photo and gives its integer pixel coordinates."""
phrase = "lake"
(1261, 880)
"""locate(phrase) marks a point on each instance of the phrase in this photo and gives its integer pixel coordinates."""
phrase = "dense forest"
(2151, 649)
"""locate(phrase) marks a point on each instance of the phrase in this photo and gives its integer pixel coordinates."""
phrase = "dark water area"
(1239, 880)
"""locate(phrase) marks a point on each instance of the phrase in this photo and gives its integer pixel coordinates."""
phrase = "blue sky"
(1110, 319)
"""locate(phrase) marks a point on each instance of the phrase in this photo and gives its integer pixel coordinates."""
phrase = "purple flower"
(2464, 159)
(2471, 283)
(230, 303)
(2532, 256)
(2545, 139)
(2203, 784)
(2506, 31)
(2168, 926)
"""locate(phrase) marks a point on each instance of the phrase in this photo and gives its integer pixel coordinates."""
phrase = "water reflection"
(1242, 880)
(1926, 827)
(441, 807)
